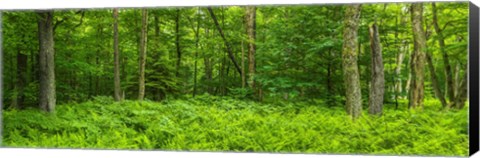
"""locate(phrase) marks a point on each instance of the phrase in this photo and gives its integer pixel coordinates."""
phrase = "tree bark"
(350, 66)
(227, 44)
(116, 59)
(143, 55)
(251, 31)
(377, 86)
(416, 93)
(446, 62)
(47, 97)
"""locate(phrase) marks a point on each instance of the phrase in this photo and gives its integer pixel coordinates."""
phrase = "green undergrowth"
(224, 124)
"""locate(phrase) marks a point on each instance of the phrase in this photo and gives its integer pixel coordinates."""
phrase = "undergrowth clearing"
(226, 124)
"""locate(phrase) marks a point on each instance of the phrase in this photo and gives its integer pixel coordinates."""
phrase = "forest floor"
(209, 123)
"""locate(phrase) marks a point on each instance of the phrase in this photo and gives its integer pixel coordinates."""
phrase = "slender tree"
(433, 74)
(350, 66)
(143, 55)
(47, 97)
(177, 42)
(417, 65)
(227, 44)
(243, 65)
(446, 62)
(116, 59)
(197, 32)
(251, 31)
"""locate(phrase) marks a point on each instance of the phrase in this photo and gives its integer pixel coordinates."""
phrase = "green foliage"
(210, 123)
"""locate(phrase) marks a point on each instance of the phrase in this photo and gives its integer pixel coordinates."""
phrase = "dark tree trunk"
(436, 86)
(330, 87)
(446, 61)
(177, 42)
(196, 56)
(116, 59)
(33, 65)
(227, 44)
(377, 86)
(21, 80)
(350, 66)
(47, 97)
(97, 78)
(416, 93)
(433, 74)
(142, 56)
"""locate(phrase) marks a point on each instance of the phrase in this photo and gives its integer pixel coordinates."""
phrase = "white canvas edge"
(70, 4)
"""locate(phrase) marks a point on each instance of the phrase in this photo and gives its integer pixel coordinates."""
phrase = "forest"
(382, 78)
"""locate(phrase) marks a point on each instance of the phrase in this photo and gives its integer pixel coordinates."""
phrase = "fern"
(210, 123)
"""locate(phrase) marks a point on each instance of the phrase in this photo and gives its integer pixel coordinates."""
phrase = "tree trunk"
(124, 73)
(461, 94)
(197, 32)
(416, 93)
(33, 66)
(227, 44)
(456, 80)
(243, 66)
(409, 79)
(433, 75)
(330, 86)
(177, 42)
(97, 78)
(446, 62)
(47, 97)
(350, 66)
(21, 79)
(116, 59)
(398, 69)
(436, 86)
(251, 31)
(208, 65)
(377, 88)
(143, 55)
